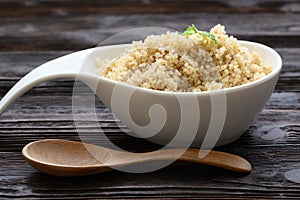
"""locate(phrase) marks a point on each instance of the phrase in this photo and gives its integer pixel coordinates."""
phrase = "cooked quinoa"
(177, 62)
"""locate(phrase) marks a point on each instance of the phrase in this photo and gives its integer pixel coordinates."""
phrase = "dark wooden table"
(35, 31)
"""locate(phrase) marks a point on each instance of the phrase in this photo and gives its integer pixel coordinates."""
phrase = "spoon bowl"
(69, 158)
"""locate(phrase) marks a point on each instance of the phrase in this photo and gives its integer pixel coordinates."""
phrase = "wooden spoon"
(68, 158)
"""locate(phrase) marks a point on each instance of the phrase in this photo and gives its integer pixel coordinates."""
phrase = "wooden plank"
(96, 26)
(88, 31)
(75, 7)
(16, 64)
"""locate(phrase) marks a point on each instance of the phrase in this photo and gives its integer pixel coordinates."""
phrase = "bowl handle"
(64, 67)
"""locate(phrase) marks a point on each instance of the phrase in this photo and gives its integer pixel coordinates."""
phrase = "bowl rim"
(275, 71)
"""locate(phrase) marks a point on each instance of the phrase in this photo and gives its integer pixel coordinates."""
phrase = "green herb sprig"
(193, 30)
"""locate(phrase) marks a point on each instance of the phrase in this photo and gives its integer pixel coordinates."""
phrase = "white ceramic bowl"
(201, 119)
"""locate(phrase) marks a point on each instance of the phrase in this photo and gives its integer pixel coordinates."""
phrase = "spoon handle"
(213, 158)
(63, 67)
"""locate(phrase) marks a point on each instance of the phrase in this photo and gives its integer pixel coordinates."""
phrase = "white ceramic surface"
(242, 103)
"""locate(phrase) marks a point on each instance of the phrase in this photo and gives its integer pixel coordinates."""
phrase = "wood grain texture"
(80, 32)
(35, 31)
(62, 8)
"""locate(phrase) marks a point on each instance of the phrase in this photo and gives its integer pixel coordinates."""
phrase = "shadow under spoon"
(69, 158)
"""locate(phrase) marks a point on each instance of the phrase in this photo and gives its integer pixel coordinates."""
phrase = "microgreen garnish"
(193, 30)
